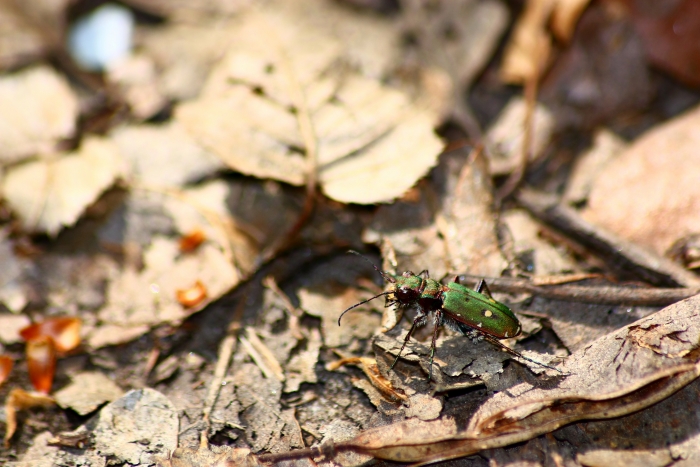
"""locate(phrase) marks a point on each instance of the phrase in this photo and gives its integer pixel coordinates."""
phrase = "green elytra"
(473, 312)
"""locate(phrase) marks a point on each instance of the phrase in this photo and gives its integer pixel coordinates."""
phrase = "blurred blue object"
(102, 37)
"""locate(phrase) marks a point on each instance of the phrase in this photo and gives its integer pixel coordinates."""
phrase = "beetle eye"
(408, 274)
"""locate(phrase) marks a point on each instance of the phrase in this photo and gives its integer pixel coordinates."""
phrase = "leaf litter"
(305, 107)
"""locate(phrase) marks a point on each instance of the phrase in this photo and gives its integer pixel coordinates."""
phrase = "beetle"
(474, 313)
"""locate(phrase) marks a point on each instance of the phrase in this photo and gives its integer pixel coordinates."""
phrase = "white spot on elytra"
(488, 313)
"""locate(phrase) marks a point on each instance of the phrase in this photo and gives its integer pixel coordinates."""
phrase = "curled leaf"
(41, 362)
(192, 240)
(192, 296)
(6, 364)
(17, 400)
(64, 331)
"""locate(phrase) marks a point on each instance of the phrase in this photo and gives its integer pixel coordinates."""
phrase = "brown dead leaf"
(670, 33)
(650, 193)
(370, 369)
(39, 108)
(269, 102)
(52, 193)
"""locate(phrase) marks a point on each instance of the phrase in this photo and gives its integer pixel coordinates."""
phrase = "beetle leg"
(483, 288)
(424, 271)
(438, 320)
(495, 342)
(408, 336)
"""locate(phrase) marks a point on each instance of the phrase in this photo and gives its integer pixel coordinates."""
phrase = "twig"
(226, 351)
(513, 181)
(618, 253)
(604, 295)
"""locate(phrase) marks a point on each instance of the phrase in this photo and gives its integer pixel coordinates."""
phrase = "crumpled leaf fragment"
(38, 109)
(50, 194)
(136, 428)
(270, 104)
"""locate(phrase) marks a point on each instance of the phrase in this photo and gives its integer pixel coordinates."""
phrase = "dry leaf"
(19, 399)
(13, 292)
(269, 102)
(6, 364)
(135, 78)
(192, 240)
(606, 147)
(164, 155)
(87, 391)
(41, 363)
(527, 51)
(38, 109)
(565, 16)
(64, 332)
(505, 136)
(192, 296)
(141, 414)
(52, 193)
(650, 193)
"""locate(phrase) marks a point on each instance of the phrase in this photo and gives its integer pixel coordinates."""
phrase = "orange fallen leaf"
(5, 367)
(192, 240)
(192, 296)
(65, 332)
(41, 362)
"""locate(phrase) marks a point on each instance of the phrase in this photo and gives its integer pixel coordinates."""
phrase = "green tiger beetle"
(474, 313)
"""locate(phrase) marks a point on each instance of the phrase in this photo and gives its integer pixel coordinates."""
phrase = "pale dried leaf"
(141, 414)
(565, 16)
(184, 54)
(51, 193)
(140, 299)
(328, 306)
(505, 136)
(650, 193)
(606, 147)
(135, 77)
(164, 155)
(39, 108)
(19, 399)
(528, 49)
(12, 291)
(254, 106)
(87, 391)
(626, 458)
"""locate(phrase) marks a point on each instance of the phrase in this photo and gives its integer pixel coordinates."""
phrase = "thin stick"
(604, 295)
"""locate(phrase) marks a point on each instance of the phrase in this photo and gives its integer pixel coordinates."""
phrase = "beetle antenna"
(386, 276)
(507, 349)
(362, 303)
